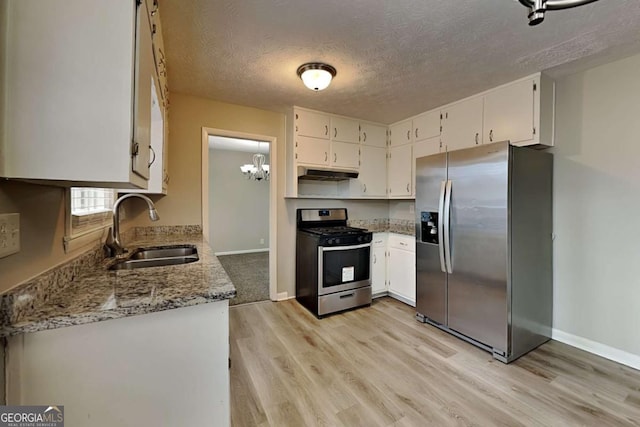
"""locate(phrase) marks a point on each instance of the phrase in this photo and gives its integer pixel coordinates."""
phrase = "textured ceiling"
(394, 59)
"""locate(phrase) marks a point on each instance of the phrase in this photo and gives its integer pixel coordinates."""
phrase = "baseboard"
(283, 296)
(402, 299)
(597, 348)
(246, 251)
(380, 294)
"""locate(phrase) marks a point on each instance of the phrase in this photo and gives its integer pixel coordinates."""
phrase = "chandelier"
(258, 171)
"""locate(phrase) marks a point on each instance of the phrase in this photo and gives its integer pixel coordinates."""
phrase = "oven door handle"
(343, 248)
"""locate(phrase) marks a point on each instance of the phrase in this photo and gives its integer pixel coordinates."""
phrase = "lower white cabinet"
(401, 270)
(169, 368)
(379, 264)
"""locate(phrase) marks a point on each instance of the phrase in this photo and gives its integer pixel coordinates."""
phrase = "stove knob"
(330, 241)
(337, 241)
(359, 238)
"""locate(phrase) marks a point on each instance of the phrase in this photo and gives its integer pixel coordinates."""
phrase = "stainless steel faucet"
(113, 244)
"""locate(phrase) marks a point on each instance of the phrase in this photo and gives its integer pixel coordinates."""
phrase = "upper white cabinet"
(462, 124)
(71, 121)
(373, 135)
(372, 180)
(345, 155)
(401, 133)
(426, 126)
(512, 112)
(400, 169)
(310, 123)
(313, 151)
(345, 130)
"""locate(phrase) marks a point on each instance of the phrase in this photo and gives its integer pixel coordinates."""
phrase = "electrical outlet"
(9, 234)
(262, 241)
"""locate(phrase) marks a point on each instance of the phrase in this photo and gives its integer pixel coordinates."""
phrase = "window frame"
(75, 238)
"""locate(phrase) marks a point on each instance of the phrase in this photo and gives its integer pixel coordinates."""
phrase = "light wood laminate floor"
(378, 366)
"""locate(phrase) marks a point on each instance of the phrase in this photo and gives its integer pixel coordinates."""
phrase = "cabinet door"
(426, 147)
(508, 113)
(144, 73)
(378, 269)
(400, 171)
(462, 124)
(400, 133)
(401, 274)
(344, 130)
(345, 155)
(312, 124)
(373, 135)
(373, 171)
(426, 126)
(312, 151)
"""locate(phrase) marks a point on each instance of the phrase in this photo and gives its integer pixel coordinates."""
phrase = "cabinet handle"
(155, 8)
(476, 138)
(407, 188)
(416, 132)
(335, 132)
(326, 130)
(408, 135)
(154, 156)
(375, 260)
(403, 244)
(491, 135)
(335, 157)
(365, 188)
(364, 134)
(153, 30)
(326, 156)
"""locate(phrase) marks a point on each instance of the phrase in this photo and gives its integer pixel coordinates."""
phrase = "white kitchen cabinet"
(372, 179)
(158, 164)
(401, 271)
(131, 371)
(345, 155)
(426, 126)
(72, 122)
(379, 264)
(401, 133)
(462, 124)
(373, 135)
(345, 130)
(311, 123)
(512, 112)
(400, 169)
(312, 151)
(427, 147)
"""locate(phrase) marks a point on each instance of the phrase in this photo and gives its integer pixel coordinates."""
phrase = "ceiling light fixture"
(315, 75)
(537, 8)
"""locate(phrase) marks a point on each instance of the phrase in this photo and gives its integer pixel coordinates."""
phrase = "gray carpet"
(249, 273)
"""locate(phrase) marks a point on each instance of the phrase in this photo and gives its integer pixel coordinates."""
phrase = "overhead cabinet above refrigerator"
(483, 246)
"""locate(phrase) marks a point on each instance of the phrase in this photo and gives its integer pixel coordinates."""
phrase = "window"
(89, 212)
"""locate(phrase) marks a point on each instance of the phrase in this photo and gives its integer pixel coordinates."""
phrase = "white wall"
(238, 207)
(597, 207)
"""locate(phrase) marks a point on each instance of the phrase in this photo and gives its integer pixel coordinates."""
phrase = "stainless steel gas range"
(333, 267)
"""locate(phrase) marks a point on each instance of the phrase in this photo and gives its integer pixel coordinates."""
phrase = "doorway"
(238, 209)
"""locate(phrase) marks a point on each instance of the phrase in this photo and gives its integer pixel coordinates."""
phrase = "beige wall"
(597, 205)
(42, 215)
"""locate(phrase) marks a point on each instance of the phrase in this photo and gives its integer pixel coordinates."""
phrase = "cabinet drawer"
(401, 241)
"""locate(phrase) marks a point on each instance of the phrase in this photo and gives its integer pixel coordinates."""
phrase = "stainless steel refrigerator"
(484, 246)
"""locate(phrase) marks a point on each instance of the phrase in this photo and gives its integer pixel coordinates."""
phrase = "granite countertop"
(384, 225)
(84, 291)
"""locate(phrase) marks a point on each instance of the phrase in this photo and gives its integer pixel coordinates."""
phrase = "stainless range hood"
(316, 174)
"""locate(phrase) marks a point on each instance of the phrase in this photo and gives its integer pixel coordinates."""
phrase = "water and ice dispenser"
(429, 227)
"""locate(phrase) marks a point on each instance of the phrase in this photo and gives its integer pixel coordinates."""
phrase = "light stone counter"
(84, 291)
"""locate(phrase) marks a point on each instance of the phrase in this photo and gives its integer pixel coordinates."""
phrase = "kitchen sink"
(158, 256)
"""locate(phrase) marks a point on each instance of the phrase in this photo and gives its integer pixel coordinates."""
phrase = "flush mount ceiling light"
(315, 75)
(537, 8)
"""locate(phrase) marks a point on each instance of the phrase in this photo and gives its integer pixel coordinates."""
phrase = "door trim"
(274, 171)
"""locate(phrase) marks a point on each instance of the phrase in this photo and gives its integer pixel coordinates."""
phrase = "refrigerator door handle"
(441, 226)
(447, 230)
